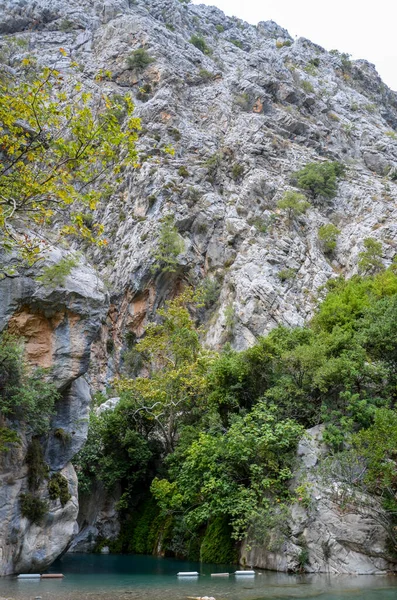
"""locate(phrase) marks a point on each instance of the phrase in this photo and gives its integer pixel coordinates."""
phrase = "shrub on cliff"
(320, 179)
(370, 259)
(169, 246)
(200, 44)
(328, 234)
(294, 204)
(33, 508)
(139, 59)
(25, 395)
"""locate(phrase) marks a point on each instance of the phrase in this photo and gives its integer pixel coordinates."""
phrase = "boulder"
(327, 533)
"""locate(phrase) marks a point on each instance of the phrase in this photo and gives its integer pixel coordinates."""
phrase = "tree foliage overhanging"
(56, 141)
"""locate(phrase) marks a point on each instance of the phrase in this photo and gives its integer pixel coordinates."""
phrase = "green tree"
(170, 245)
(57, 141)
(370, 259)
(377, 445)
(177, 366)
(328, 235)
(320, 179)
(232, 474)
(26, 395)
(294, 204)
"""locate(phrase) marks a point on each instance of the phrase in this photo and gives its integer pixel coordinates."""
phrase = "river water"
(118, 577)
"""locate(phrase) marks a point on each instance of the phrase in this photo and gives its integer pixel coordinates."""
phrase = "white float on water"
(245, 573)
(220, 574)
(188, 574)
(39, 576)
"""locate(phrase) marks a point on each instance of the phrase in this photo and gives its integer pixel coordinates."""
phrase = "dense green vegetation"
(214, 435)
(25, 395)
(320, 179)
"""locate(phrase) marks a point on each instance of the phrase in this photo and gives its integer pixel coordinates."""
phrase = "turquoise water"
(114, 577)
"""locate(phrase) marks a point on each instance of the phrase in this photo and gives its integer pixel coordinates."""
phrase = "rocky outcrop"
(98, 519)
(329, 531)
(58, 324)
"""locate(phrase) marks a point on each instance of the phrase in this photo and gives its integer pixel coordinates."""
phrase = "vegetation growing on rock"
(227, 458)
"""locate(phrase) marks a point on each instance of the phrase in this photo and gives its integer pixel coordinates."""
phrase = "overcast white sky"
(363, 29)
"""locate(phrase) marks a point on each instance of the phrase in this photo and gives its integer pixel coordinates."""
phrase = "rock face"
(59, 325)
(327, 533)
(223, 131)
(98, 519)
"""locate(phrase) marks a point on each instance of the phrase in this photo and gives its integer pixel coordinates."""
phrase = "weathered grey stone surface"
(97, 519)
(70, 425)
(254, 104)
(58, 326)
(335, 537)
(26, 547)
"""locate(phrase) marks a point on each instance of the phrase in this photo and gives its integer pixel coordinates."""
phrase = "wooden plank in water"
(52, 576)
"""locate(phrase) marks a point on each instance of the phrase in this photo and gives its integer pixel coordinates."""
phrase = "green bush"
(25, 395)
(236, 43)
(33, 508)
(209, 291)
(37, 467)
(328, 234)
(244, 101)
(237, 171)
(183, 172)
(294, 204)
(200, 44)
(307, 86)
(280, 44)
(320, 179)
(370, 260)
(205, 75)
(286, 274)
(144, 92)
(170, 245)
(58, 487)
(62, 435)
(139, 60)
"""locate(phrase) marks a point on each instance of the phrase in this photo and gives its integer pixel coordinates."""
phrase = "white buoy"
(29, 576)
(220, 574)
(188, 574)
(245, 573)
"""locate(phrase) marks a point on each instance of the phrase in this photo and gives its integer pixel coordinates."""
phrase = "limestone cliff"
(225, 126)
(58, 325)
(242, 117)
